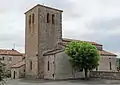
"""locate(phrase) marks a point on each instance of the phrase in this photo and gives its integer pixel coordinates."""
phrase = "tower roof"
(45, 7)
(65, 40)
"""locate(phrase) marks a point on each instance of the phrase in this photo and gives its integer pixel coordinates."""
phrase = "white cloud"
(82, 19)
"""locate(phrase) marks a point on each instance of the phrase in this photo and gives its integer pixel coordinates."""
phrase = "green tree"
(118, 64)
(2, 71)
(82, 56)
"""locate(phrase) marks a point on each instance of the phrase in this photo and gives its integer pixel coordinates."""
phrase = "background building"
(10, 57)
(18, 70)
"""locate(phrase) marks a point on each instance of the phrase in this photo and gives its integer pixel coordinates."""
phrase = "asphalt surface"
(67, 82)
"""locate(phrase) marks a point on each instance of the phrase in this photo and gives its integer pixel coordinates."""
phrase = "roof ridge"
(68, 39)
(9, 52)
(104, 52)
(18, 62)
(49, 7)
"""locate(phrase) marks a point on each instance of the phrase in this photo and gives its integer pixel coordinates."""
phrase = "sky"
(91, 20)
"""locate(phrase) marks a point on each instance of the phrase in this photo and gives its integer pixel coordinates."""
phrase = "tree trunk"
(73, 72)
(86, 71)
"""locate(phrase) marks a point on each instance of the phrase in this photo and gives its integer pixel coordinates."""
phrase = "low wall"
(105, 75)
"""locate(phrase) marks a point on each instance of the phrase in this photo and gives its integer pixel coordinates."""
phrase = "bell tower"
(43, 31)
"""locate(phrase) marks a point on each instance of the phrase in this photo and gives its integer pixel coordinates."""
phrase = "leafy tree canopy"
(82, 55)
(2, 71)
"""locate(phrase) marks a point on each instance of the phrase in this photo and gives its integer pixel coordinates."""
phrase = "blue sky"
(91, 20)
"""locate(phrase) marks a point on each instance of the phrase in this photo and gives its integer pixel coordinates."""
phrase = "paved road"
(68, 82)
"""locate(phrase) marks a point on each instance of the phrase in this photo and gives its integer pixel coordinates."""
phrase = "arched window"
(3, 58)
(53, 18)
(33, 18)
(48, 18)
(33, 21)
(110, 66)
(48, 66)
(29, 21)
(30, 65)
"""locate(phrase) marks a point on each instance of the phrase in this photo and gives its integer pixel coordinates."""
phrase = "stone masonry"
(105, 75)
(44, 36)
(41, 34)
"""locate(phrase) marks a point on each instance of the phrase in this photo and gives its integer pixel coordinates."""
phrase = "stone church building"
(44, 46)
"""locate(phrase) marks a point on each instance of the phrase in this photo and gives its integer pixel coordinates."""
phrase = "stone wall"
(49, 74)
(8, 62)
(31, 44)
(105, 75)
(19, 72)
(48, 34)
(63, 68)
(41, 36)
(104, 63)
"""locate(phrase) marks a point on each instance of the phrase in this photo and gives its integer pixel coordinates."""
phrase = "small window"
(30, 65)
(29, 20)
(110, 66)
(48, 18)
(29, 23)
(48, 66)
(24, 70)
(10, 58)
(33, 18)
(3, 58)
(53, 75)
(53, 19)
(53, 62)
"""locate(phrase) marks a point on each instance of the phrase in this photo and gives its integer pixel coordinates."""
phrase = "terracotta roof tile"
(105, 53)
(65, 41)
(10, 52)
(54, 51)
(51, 52)
(19, 64)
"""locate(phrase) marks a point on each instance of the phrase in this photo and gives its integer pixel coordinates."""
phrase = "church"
(44, 47)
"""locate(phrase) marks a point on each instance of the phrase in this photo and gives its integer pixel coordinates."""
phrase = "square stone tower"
(43, 30)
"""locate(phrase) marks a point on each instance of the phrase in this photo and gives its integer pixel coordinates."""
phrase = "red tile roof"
(18, 64)
(52, 51)
(23, 55)
(10, 52)
(102, 53)
(64, 43)
(64, 40)
(105, 53)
